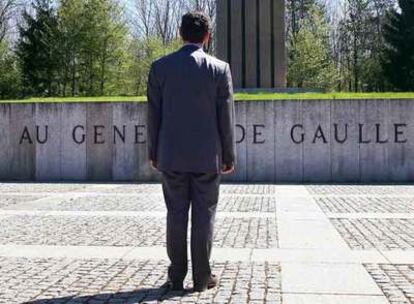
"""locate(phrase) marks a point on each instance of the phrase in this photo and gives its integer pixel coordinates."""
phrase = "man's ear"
(180, 32)
(207, 38)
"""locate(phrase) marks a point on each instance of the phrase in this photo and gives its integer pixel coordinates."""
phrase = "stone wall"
(278, 141)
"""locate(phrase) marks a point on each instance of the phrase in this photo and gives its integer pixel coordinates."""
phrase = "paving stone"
(360, 190)
(130, 189)
(40, 187)
(154, 202)
(127, 231)
(38, 281)
(257, 189)
(9, 201)
(396, 281)
(352, 204)
(384, 234)
(248, 189)
(113, 280)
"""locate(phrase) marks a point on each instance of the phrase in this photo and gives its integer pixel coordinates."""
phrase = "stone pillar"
(251, 37)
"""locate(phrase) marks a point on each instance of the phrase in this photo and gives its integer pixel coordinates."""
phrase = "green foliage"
(83, 48)
(94, 47)
(399, 54)
(80, 49)
(372, 75)
(87, 47)
(358, 45)
(10, 77)
(298, 11)
(37, 50)
(310, 64)
(145, 51)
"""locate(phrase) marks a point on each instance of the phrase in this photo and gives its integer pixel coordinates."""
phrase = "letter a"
(25, 136)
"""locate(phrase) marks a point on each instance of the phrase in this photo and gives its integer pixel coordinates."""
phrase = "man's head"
(195, 27)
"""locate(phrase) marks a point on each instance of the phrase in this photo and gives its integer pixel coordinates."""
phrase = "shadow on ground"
(139, 295)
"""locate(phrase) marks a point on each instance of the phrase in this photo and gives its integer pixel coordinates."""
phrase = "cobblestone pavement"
(23, 188)
(105, 243)
(136, 202)
(360, 190)
(11, 201)
(385, 234)
(346, 204)
(256, 189)
(133, 281)
(376, 218)
(127, 231)
(396, 281)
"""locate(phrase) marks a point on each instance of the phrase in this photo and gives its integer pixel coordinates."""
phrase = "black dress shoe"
(211, 283)
(170, 285)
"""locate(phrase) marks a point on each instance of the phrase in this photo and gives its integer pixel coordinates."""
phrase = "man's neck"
(192, 43)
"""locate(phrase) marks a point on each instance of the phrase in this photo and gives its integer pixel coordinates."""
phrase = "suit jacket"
(191, 116)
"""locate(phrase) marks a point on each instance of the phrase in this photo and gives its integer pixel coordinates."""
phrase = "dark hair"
(194, 27)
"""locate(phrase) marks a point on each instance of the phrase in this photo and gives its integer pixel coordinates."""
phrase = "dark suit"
(191, 134)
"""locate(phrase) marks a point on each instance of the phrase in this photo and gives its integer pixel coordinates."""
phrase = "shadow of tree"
(135, 296)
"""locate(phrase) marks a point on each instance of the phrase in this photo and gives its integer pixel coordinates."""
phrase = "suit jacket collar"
(191, 47)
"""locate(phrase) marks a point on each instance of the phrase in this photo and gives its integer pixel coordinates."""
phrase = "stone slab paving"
(376, 218)
(105, 243)
(321, 268)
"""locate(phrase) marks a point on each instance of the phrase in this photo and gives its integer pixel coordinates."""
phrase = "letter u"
(341, 141)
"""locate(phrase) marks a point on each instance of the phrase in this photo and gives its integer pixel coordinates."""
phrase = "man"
(191, 141)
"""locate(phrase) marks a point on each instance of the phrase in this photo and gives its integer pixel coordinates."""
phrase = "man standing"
(191, 141)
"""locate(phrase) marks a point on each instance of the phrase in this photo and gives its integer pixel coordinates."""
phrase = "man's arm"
(153, 114)
(226, 118)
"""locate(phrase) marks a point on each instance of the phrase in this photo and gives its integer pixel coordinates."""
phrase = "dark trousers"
(201, 190)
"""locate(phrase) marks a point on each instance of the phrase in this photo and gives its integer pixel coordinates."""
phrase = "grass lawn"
(238, 96)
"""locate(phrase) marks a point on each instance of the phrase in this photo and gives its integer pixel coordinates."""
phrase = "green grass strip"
(238, 96)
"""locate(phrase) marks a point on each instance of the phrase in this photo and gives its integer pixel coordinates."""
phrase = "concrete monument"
(277, 141)
(251, 37)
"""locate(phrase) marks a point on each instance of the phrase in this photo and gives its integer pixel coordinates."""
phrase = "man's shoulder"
(164, 59)
(220, 64)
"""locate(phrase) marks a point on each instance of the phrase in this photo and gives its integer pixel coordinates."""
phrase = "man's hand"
(153, 165)
(227, 169)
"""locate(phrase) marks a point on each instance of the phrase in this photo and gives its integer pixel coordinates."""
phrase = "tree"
(94, 43)
(70, 14)
(312, 66)
(354, 39)
(145, 51)
(398, 57)
(298, 10)
(158, 18)
(7, 8)
(358, 44)
(161, 19)
(142, 19)
(37, 49)
(9, 81)
(103, 45)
